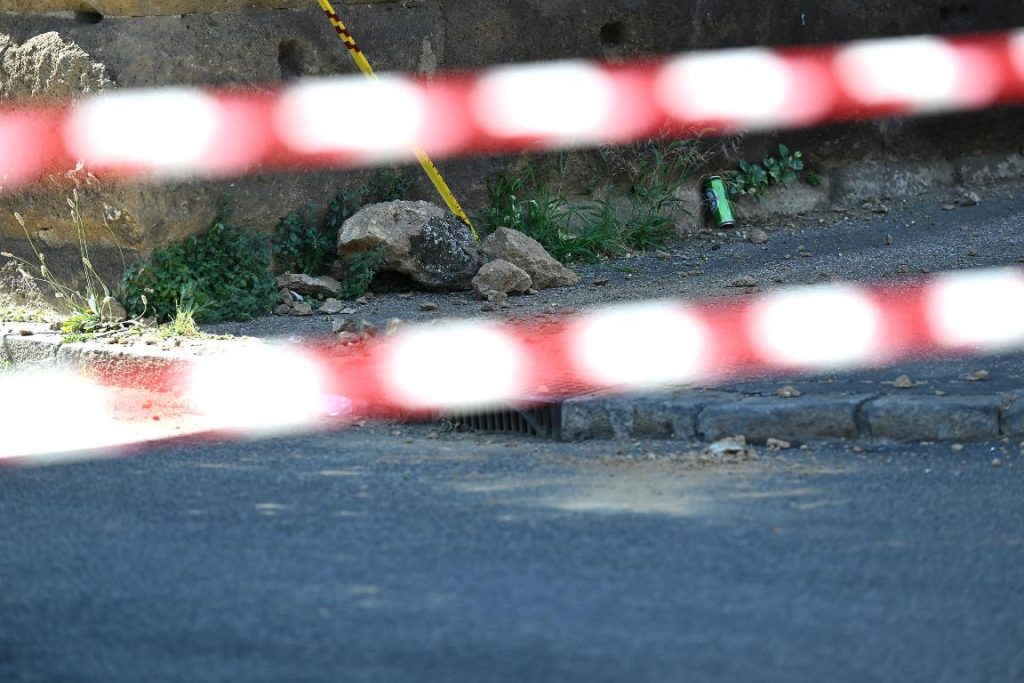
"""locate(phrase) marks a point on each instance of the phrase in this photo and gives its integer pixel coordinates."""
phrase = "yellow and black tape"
(421, 155)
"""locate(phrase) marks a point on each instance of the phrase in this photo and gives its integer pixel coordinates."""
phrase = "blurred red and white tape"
(479, 364)
(349, 121)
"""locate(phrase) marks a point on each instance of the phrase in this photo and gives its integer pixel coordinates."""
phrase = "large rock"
(527, 253)
(421, 241)
(501, 276)
(49, 66)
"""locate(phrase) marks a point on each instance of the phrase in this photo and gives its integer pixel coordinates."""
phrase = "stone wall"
(139, 43)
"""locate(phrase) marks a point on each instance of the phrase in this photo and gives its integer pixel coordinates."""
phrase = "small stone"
(363, 300)
(428, 306)
(393, 326)
(972, 252)
(996, 462)
(531, 292)
(758, 236)
(662, 255)
(948, 207)
(489, 307)
(745, 281)
(977, 376)
(302, 310)
(600, 282)
(888, 240)
(806, 254)
(497, 299)
(970, 199)
(348, 338)
(778, 445)
(331, 306)
(903, 382)
(788, 391)
(283, 309)
(957, 447)
(286, 297)
(731, 448)
(347, 311)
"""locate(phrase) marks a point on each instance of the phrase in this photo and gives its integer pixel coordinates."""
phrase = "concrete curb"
(31, 347)
(705, 415)
(691, 414)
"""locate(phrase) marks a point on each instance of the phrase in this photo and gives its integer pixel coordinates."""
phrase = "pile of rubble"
(435, 251)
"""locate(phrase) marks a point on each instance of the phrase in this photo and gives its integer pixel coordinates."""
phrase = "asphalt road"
(370, 556)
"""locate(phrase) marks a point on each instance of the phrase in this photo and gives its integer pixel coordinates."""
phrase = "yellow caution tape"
(428, 166)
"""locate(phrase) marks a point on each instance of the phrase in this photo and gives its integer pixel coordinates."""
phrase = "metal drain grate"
(543, 420)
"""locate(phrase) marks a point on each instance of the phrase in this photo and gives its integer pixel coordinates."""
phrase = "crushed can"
(716, 199)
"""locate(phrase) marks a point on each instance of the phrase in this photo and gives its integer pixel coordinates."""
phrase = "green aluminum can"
(716, 198)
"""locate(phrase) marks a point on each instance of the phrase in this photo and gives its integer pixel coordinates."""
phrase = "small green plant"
(360, 269)
(757, 178)
(301, 245)
(89, 310)
(223, 274)
(592, 230)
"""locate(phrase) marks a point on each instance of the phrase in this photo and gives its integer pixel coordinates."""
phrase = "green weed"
(301, 245)
(223, 273)
(595, 229)
(360, 270)
(89, 309)
(757, 178)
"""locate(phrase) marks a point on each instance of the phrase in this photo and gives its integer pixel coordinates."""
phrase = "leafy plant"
(223, 274)
(301, 245)
(756, 179)
(360, 269)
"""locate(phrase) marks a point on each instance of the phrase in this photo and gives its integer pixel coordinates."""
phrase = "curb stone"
(794, 419)
(712, 415)
(935, 418)
(692, 414)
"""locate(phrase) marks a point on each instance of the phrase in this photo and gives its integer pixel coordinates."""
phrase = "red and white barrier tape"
(349, 121)
(466, 365)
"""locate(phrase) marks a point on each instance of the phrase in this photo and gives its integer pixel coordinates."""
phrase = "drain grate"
(543, 420)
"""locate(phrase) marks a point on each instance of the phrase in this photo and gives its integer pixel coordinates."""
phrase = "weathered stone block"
(35, 352)
(1011, 422)
(934, 418)
(645, 416)
(795, 419)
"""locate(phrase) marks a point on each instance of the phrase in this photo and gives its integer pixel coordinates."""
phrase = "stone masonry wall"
(140, 43)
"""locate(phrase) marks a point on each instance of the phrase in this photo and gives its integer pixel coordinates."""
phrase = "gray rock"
(501, 276)
(527, 253)
(793, 419)
(421, 241)
(934, 418)
(298, 283)
(301, 310)
(331, 306)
